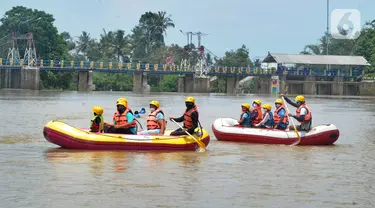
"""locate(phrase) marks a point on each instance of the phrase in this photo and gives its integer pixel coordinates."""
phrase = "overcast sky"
(272, 25)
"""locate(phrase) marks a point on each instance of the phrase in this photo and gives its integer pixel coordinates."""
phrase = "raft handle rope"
(139, 123)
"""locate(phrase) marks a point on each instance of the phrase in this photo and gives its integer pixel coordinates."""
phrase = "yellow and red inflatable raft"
(69, 137)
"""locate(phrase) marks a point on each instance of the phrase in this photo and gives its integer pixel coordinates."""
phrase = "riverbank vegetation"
(145, 43)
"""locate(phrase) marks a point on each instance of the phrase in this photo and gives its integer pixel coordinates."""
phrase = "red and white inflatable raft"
(225, 130)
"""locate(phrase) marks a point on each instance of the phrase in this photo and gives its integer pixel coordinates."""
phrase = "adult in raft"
(123, 119)
(303, 113)
(245, 118)
(155, 122)
(256, 113)
(97, 122)
(279, 116)
(189, 119)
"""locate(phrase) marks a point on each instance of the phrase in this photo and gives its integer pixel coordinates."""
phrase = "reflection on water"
(35, 173)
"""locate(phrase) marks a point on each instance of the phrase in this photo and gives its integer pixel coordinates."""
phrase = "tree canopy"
(144, 43)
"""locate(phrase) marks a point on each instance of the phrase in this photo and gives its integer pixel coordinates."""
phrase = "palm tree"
(161, 23)
(83, 42)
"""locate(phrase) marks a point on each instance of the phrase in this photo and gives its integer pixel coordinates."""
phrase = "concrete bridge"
(16, 74)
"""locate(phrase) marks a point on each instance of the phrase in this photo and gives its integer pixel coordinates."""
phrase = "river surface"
(36, 173)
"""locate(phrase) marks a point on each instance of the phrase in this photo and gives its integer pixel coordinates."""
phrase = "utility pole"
(30, 51)
(13, 53)
(199, 34)
(327, 33)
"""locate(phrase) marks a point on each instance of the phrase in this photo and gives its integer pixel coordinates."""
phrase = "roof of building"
(315, 59)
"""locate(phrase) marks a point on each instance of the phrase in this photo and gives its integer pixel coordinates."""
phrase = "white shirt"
(265, 119)
(303, 111)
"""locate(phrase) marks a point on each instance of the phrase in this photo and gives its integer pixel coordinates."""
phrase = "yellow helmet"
(246, 105)
(267, 106)
(155, 103)
(300, 98)
(190, 100)
(122, 101)
(279, 101)
(98, 110)
(258, 102)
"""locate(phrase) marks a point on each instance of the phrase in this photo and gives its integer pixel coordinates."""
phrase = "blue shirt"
(131, 118)
(247, 119)
(281, 112)
(159, 116)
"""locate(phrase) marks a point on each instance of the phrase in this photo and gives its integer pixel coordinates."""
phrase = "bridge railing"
(68, 65)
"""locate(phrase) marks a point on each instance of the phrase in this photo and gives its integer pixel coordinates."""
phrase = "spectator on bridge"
(256, 113)
(267, 121)
(156, 123)
(245, 118)
(97, 122)
(189, 118)
(123, 119)
(279, 116)
(303, 113)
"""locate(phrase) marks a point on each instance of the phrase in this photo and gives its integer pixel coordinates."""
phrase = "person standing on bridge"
(189, 119)
(155, 122)
(256, 113)
(303, 113)
(123, 119)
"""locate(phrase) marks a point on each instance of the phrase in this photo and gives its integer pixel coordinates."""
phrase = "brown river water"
(36, 173)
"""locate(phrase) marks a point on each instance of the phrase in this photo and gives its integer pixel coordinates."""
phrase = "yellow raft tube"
(69, 137)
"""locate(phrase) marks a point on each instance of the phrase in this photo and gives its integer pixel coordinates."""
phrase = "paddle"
(295, 129)
(200, 143)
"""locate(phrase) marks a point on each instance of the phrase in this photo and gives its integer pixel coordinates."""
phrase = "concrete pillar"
(181, 84)
(6, 78)
(309, 86)
(140, 84)
(232, 84)
(283, 85)
(30, 78)
(338, 86)
(201, 85)
(85, 81)
(263, 85)
(189, 83)
(367, 88)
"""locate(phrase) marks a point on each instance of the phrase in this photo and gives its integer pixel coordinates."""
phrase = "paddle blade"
(299, 139)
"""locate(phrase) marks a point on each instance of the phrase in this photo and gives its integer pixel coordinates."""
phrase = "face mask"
(120, 109)
(255, 105)
(152, 109)
(189, 105)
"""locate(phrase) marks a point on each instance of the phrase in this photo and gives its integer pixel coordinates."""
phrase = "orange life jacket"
(151, 120)
(307, 116)
(121, 119)
(188, 122)
(259, 118)
(276, 116)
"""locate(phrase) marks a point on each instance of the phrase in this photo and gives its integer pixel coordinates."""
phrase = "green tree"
(238, 58)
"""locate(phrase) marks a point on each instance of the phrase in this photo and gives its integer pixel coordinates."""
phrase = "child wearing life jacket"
(245, 119)
(256, 115)
(97, 122)
(267, 121)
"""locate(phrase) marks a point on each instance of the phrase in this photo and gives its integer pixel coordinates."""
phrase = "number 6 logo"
(345, 24)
